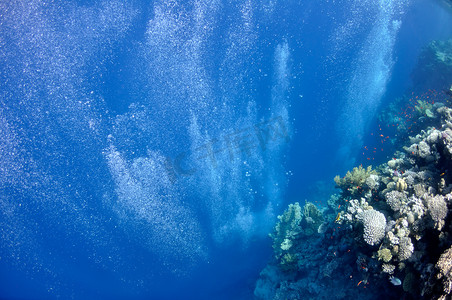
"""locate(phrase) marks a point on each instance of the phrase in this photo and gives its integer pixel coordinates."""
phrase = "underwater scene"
(236, 149)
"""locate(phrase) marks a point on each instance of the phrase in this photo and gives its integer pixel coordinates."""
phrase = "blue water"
(146, 148)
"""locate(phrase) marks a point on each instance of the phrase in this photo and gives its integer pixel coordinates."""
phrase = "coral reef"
(386, 235)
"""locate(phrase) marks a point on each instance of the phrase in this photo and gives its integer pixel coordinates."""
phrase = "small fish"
(395, 280)
(338, 217)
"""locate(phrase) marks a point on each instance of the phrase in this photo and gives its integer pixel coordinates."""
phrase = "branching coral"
(421, 150)
(406, 248)
(395, 200)
(388, 268)
(374, 226)
(444, 266)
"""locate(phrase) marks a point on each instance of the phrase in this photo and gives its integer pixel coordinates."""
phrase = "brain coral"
(374, 226)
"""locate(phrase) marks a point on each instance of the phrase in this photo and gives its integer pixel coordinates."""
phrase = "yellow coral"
(353, 181)
(384, 255)
(286, 244)
(401, 185)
